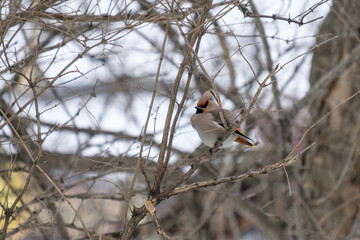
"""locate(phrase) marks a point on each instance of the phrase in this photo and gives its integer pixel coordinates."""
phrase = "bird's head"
(205, 103)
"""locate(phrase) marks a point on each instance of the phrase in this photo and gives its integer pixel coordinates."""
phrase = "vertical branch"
(285, 145)
(138, 163)
(196, 36)
(226, 54)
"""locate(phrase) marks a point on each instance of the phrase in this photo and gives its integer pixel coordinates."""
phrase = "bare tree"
(95, 103)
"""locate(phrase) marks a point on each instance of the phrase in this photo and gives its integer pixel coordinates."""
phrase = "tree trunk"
(331, 179)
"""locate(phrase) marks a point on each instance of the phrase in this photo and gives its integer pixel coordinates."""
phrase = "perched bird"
(207, 122)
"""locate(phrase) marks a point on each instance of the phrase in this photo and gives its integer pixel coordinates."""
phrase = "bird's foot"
(211, 150)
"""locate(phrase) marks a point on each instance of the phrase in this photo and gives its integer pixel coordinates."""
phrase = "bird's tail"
(242, 138)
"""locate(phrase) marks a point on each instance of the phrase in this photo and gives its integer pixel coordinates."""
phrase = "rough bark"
(330, 179)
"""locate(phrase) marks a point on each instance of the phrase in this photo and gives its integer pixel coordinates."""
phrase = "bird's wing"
(228, 117)
(205, 122)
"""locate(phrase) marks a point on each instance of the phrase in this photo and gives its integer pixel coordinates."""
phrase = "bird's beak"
(199, 109)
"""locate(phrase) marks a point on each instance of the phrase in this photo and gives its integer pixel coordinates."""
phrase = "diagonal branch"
(320, 88)
(250, 174)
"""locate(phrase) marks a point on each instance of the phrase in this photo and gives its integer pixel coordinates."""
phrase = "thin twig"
(247, 13)
(250, 174)
(321, 119)
(146, 125)
(34, 161)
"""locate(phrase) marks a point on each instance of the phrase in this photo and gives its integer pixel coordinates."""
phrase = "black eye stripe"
(205, 105)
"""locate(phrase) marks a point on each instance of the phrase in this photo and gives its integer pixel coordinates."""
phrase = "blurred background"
(96, 99)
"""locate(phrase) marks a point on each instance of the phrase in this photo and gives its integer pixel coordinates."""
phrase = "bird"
(208, 124)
